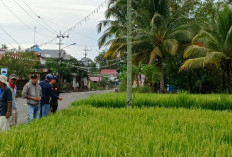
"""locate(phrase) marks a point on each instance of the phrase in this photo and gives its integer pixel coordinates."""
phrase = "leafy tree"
(23, 64)
(156, 31)
(152, 75)
(65, 68)
(212, 47)
(4, 47)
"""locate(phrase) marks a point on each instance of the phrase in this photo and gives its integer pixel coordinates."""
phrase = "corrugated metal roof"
(54, 54)
(96, 78)
(108, 71)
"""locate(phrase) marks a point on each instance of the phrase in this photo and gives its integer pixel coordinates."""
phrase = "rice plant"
(182, 100)
(88, 131)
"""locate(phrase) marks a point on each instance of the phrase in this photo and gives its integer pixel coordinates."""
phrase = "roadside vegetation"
(87, 130)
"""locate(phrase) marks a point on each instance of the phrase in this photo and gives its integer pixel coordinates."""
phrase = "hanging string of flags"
(86, 18)
(73, 65)
(20, 58)
(77, 25)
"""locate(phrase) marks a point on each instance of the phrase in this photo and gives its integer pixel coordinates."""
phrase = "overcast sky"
(58, 15)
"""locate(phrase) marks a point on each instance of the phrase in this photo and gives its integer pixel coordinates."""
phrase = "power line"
(44, 19)
(8, 34)
(85, 19)
(7, 43)
(22, 20)
(34, 18)
(41, 18)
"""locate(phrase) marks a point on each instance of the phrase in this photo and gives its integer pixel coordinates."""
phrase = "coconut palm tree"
(156, 31)
(213, 46)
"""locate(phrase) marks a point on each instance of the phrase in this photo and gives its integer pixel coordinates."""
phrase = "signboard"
(4, 71)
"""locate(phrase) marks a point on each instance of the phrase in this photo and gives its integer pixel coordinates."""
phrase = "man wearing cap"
(47, 92)
(12, 85)
(5, 104)
(56, 90)
(32, 92)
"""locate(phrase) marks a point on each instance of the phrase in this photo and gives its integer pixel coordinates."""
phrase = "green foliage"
(19, 66)
(212, 47)
(88, 131)
(151, 73)
(96, 86)
(143, 89)
(181, 100)
(65, 68)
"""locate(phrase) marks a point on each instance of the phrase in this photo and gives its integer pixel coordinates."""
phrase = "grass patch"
(182, 100)
(88, 131)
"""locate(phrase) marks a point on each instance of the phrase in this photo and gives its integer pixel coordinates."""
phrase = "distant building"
(111, 73)
(53, 54)
(95, 78)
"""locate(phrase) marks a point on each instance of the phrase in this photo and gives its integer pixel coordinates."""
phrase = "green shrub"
(143, 89)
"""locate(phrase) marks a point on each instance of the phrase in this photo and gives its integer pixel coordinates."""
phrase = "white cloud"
(63, 12)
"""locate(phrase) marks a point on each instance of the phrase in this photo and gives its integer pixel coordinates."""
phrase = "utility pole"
(61, 37)
(129, 54)
(86, 52)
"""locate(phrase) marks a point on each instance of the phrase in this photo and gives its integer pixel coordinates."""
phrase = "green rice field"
(92, 128)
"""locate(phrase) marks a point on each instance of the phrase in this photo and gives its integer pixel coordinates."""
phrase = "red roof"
(95, 78)
(108, 71)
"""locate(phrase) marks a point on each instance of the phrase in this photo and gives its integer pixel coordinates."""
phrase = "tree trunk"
(160, 65)
(190, 81)
(228, 77)
(224, 81)
(137, 80)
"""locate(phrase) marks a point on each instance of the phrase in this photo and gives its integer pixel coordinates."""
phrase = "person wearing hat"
(12, 85)
(5, 104)
(56, 91)
(32, 92)
(47, 92)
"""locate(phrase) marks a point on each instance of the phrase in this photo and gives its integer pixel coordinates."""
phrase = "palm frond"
(208, 40)
(195, 51)
(228, 42)
(215, 58)
(155, 52)
(193, 64)
(170, 46)
(182, 36)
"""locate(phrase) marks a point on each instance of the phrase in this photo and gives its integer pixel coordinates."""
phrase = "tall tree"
(213, 46)
(157, 30)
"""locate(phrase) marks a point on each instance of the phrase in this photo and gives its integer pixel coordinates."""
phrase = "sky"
(56, 15)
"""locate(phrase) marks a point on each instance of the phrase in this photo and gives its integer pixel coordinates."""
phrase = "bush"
(143, 89)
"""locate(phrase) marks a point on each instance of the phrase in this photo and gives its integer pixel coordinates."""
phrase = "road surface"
(68, 98)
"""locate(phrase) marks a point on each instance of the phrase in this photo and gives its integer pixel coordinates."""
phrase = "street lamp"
(69, 45)
(64, 48)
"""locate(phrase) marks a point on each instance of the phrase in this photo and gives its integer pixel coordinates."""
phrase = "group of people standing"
(42, 98)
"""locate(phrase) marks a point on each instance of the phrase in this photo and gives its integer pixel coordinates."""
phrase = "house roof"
(54, 54)
(95, 78)
(36, 49)
(109, 71)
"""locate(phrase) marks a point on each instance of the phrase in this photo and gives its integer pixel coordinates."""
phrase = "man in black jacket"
(56, 91)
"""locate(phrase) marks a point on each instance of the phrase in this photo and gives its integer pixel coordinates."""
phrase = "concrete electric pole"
(129, 54)
(60, 36)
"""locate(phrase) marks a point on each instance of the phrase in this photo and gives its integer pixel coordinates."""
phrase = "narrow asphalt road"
(68, 98)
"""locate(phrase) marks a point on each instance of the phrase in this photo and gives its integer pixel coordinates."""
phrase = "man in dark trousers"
(47, 92)
(56, 91)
